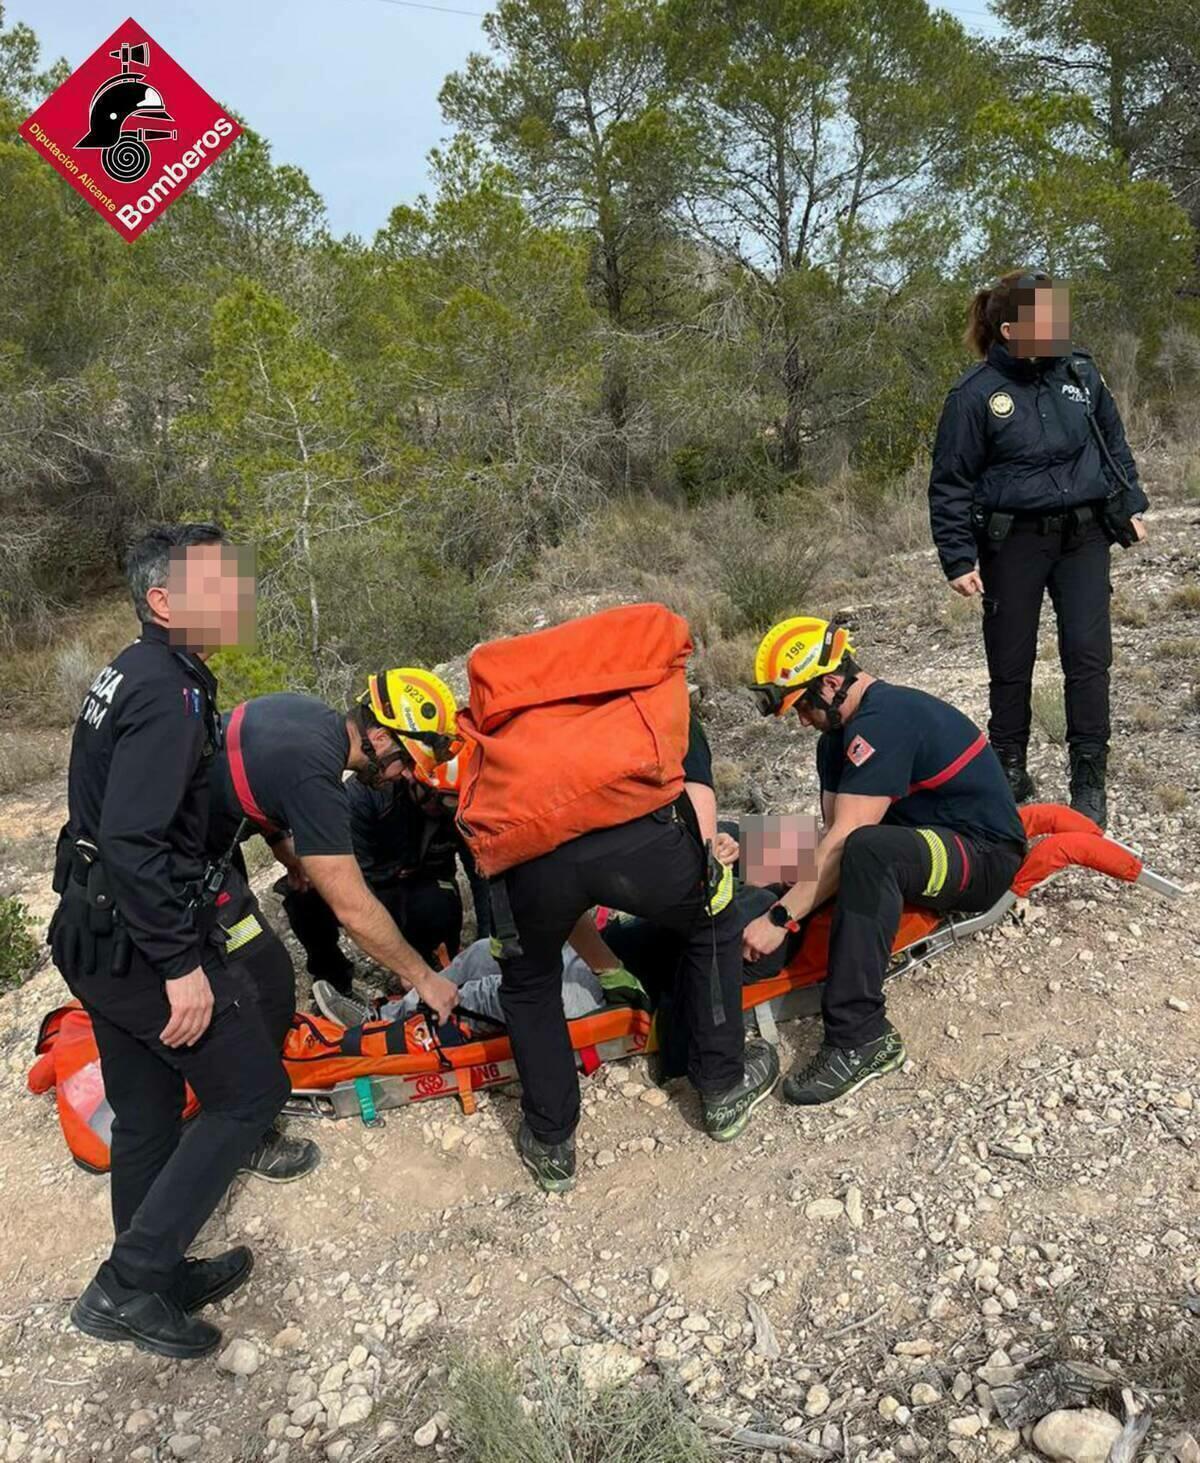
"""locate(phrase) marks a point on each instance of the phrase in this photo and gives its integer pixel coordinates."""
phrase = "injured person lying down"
(630, 964)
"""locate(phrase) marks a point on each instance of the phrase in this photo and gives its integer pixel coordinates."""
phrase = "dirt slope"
(1028, 1187)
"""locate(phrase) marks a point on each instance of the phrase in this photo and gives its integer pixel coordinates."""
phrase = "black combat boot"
(1012, 759)
(1088, 769)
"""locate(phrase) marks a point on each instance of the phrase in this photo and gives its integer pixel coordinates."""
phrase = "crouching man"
(917, 810)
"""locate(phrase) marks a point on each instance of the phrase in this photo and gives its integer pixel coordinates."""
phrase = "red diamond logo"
(130, 130)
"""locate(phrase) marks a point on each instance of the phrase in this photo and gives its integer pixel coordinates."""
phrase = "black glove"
(73, 946)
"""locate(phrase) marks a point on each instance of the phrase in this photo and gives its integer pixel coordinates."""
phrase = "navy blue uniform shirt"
(931, 760)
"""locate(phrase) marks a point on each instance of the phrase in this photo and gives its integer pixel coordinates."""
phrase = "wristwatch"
(782, 920)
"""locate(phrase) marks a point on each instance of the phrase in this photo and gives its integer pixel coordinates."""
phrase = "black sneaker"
(837, 1071)
(280, 1159)
(727, 1113)
(153, 1322)
(1013, 763)
(1088, 772)
(551, 1164)
(204, 1282)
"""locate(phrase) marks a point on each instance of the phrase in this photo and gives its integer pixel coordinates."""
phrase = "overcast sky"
(345, 89)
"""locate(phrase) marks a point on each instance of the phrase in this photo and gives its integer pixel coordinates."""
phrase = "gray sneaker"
(551, 1164)
(345, 1010)
(280, 1159)
(838, 1071)
(727, 1113)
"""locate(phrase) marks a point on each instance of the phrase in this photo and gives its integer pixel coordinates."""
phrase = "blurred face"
(209, 598)
(1043, 323)
(779, 848)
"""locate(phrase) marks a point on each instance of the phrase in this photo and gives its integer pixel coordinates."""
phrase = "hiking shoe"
(346, 1010)
(152, 1321)
(621, 988)
(727, 1113)
(280, 1159)
(837, 1071)
(1013, 763)
(551, 1164)
(204, 1282)
(1088, 771)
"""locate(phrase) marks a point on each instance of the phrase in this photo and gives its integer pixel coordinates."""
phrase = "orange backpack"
(579, 727)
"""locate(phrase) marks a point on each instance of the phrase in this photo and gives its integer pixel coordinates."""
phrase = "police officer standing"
(1032, 481)
(134, 937)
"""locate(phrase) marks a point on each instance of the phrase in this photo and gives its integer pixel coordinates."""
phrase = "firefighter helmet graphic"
(124, 155)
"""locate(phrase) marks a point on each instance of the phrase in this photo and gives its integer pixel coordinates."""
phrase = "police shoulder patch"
(1000, 404)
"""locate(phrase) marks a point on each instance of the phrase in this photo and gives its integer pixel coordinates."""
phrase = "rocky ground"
(1005, 1230)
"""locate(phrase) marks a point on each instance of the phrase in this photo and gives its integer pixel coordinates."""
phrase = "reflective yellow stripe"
(939, 860)
(723, 892)
(242, 933)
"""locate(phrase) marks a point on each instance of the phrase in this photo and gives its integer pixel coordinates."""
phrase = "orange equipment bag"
(579, 727)
(69, 1061)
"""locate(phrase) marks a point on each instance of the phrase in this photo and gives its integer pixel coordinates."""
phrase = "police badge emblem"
(1001, 404)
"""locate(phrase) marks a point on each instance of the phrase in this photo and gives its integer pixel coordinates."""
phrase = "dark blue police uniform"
(1017, 485)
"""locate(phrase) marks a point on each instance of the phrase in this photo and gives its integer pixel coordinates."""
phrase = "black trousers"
(652, 867)
(166, 1178)
(428, 913)
(883, 868)
(1073, 563)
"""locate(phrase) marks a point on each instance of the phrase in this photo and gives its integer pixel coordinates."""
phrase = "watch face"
(779, 916)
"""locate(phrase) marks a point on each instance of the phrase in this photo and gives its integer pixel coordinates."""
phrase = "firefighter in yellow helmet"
(916, 809)
(281, 773)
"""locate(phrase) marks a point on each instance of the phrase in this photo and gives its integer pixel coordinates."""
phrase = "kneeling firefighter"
(137, 939)
(1032, 481)
(916, 809)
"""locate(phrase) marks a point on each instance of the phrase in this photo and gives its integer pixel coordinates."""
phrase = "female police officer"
(1032, 480)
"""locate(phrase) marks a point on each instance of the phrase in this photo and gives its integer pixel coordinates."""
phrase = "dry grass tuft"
(1149, 718)
(1186, 599)
(1135, 613)
(554, 1419)
(1170, 798)
(1050, 712)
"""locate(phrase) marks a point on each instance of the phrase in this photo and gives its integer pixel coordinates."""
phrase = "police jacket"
(137, 788)
(1014, 438)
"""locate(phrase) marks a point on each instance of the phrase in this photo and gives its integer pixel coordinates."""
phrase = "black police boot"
(152, 1321)
(1012, 759)
(204, 1282)
(1088, 770)
(280, 1159)
(838, 1071)
(551, 1164)
(727, 1113)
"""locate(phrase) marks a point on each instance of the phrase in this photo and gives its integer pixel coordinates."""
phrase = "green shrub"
(19, 951)
(765, 561)
(242, 674)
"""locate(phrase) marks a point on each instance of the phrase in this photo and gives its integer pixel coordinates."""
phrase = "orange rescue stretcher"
(328, 1080)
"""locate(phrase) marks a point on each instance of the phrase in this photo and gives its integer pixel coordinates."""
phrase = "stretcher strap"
(466, 1093)
(589, 1059)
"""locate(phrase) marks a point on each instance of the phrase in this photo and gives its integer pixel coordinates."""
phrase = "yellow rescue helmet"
(418, 707)
(793, 654)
